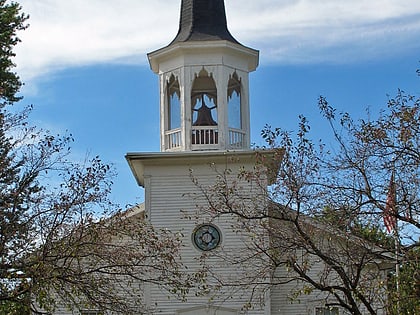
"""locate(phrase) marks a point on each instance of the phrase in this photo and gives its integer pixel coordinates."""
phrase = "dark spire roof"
(203, 20)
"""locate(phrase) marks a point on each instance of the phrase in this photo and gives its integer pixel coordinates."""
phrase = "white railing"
(204, 135)
(236, 139)
(173, 139)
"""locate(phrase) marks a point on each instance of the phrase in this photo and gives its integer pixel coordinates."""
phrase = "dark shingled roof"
(203, 20)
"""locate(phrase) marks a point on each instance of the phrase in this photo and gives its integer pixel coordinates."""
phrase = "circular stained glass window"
(206, 237)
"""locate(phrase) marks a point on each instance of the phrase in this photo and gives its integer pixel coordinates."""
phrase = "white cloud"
(80, 32)
(66, 33)
(328, 30)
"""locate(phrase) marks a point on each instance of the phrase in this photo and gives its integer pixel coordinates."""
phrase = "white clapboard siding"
(284, 300)
(172, 201)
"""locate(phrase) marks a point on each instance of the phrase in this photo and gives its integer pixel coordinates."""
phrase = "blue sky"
(85, 68)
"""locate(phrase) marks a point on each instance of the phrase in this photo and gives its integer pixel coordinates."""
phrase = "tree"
(323, 211)
(408, 295)
(11, 22)
(63, 243)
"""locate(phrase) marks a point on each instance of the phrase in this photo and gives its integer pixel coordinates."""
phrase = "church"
(204, 126)
(204, 86)
(204, 131)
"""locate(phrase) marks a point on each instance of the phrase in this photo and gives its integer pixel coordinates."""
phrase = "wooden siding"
(174, 204)
(284, 300)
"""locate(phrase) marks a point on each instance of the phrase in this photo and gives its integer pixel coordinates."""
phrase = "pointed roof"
(203, 28)
(203, 20)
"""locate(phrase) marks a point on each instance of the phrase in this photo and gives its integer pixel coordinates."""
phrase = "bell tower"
(204, 128)
(204, 84)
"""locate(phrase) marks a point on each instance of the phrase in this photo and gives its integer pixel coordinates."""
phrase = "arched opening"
(204, 110)
(234, 104)
(174, 103)
(173, 134)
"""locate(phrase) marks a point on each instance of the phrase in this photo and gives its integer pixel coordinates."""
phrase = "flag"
(390, 219)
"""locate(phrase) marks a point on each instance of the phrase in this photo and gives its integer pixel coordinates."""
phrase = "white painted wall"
(171, 202)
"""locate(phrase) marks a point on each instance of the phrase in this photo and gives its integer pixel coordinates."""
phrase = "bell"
(204, 117)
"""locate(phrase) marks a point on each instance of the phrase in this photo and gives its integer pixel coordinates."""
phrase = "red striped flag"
(390, 219)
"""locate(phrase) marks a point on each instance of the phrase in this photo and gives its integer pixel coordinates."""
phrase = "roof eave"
(155, 57)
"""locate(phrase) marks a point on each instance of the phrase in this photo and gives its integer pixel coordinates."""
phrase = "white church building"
(204, 130)
(204, 125)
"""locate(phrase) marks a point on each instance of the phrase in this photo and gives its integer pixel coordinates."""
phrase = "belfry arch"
(204, 103)
(172, 113)
(235, 112)
(174, 103)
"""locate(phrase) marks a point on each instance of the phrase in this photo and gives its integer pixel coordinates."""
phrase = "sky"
(85, 68)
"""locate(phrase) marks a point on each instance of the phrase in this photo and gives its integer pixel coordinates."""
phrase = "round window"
(206, 237)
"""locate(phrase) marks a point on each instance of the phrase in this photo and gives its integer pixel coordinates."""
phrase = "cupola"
(204, 82)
